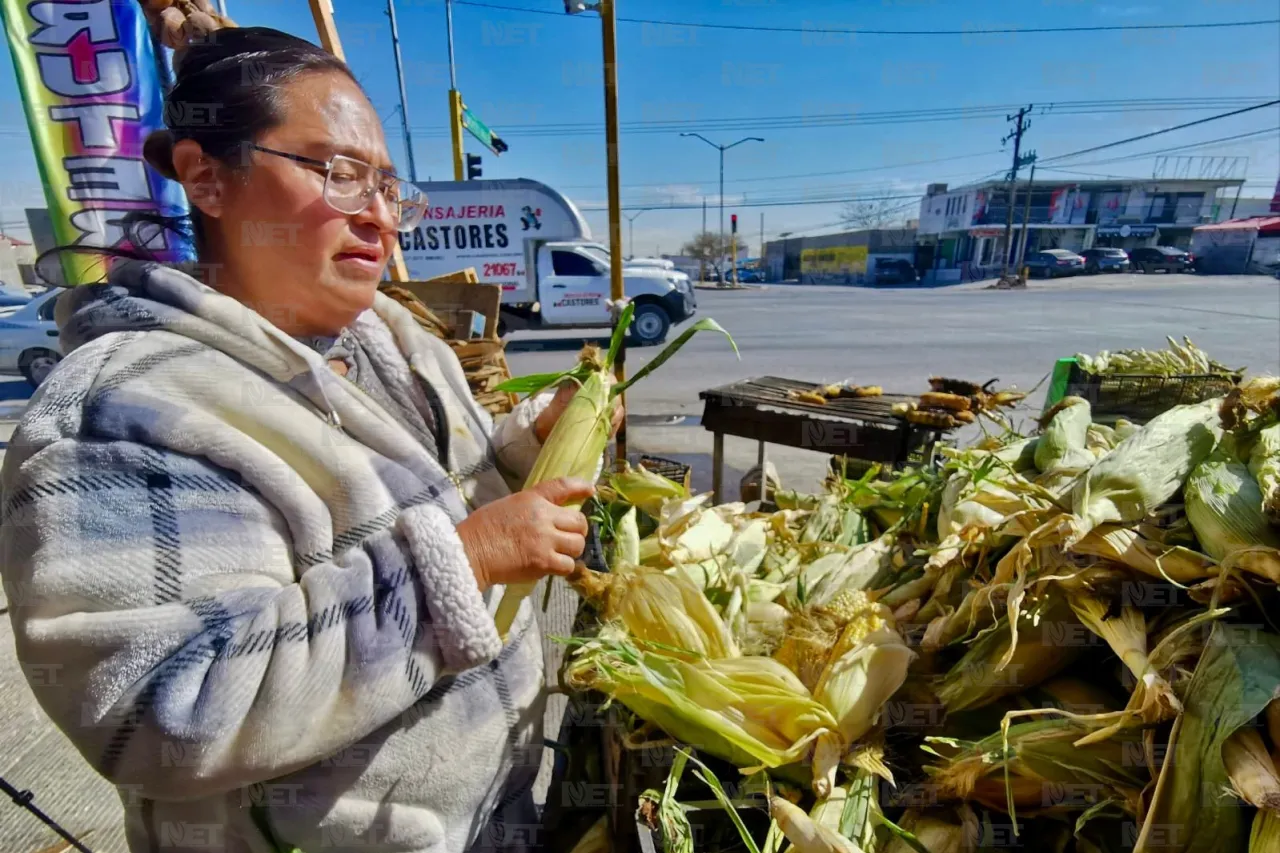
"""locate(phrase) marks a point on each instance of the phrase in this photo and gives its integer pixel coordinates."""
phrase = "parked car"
(10, 298)
(1167, 258)
(29, 338)
(1105, 260)
(1051, 263)
(895, 271)
(748, 275)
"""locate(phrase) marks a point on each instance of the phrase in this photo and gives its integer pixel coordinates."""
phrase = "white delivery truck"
(532, 240)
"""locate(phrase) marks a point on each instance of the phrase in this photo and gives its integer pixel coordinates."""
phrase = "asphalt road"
(898, 337)
(895, 338)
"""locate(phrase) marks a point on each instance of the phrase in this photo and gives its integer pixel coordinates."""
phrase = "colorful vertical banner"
(90, 85)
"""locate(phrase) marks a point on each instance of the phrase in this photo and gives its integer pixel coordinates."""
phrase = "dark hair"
(227, 92)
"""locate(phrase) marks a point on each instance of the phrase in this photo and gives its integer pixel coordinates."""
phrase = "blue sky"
(517, 69)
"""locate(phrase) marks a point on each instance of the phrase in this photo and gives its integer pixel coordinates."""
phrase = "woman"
(259, 526)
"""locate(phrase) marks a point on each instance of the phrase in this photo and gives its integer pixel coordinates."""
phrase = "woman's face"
(279, 247)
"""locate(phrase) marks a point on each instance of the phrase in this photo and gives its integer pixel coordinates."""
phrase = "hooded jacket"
(247, 577)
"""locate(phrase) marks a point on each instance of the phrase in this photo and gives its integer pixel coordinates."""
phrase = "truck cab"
(532, 241)
(573, 288)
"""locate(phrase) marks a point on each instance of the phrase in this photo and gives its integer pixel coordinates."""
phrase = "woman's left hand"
(547, 420)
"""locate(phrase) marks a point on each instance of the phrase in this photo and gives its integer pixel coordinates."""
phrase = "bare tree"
(871, 214)
(709, 248)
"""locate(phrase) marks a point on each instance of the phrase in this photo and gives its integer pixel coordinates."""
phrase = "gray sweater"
(246, 574)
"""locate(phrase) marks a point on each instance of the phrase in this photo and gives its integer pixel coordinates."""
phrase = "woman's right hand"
(522, 537)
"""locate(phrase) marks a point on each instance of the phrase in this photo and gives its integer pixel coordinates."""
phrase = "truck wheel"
(37, 364)
(650, 324)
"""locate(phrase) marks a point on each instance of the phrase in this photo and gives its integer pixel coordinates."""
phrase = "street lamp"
(721, 149)
(631, 230)
(609, 38)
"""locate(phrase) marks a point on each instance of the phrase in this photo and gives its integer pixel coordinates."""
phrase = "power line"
(1159, 132)
(1190, 146)
(967, 31)
(796, 203)
(867, 119)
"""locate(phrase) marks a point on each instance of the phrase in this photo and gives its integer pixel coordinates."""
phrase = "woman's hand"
(522, 537)
(547, 420)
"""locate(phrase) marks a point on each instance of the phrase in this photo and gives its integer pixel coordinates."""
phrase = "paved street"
(895, 338)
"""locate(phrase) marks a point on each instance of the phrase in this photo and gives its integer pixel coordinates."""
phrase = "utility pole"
(1026, 219)
(404, 100)
(455, 99)
(762, 237)
(702, 264)
(722, 149)
(1016, 135)
(631, 230)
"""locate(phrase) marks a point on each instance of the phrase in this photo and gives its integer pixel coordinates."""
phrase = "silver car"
(29, 338)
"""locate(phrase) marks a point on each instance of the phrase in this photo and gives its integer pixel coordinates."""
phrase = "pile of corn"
(178, 22)
(1179, 358)
(1057, 642)
(953, 403)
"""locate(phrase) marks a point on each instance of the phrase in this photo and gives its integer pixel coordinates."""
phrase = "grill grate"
(773, 391)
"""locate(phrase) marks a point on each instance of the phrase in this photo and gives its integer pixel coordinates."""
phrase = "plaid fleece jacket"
(246, 580)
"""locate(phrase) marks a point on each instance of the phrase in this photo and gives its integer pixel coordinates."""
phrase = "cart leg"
(762, 457)
(717, 467)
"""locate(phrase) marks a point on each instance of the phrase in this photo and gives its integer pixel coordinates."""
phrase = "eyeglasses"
(350, 184)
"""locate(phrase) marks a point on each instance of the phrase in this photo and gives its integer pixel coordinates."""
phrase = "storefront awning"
(1264, 225)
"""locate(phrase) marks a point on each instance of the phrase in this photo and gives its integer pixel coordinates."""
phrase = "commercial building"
(848, 257)
(961, 231)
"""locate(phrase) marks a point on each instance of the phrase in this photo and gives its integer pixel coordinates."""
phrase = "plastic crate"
(1141, 397)
(677, 472)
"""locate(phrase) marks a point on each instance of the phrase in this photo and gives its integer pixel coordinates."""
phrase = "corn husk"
(1146, 469)
(655, 607)
(936, 833)
(751, 711)
(1264, 465)
(1062, 443)
(805, 834)
(646, 490)
(626, 540)
(1265, 836)
(1036, 766)
(1254, 778)
(821, 581)
(1129, 547)
(573, 449)
(596, 839)
(866, 667)
(1125, 631)
(1046, 645)
(1224, 506)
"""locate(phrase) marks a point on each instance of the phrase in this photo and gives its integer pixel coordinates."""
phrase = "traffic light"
(733, 223)
(473, 167)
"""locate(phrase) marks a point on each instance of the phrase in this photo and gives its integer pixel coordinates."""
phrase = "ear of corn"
(573, 449)
(1265, 837)
(805, 834)
(646, 490)
(1147, 468)
(750, 711)
(1253, 775)
(1264, 465)
(1036, 765)
(866, 667)
(626, 540)
(1045, 647)
(1224, 506)
(1062, 444)
(655, 607)
(1125, 631)
(934, 833)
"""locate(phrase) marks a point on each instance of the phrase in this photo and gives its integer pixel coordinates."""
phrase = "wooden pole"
(322, 12)
(616, 291)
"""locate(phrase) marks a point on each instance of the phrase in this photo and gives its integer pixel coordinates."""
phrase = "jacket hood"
(145, 296)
